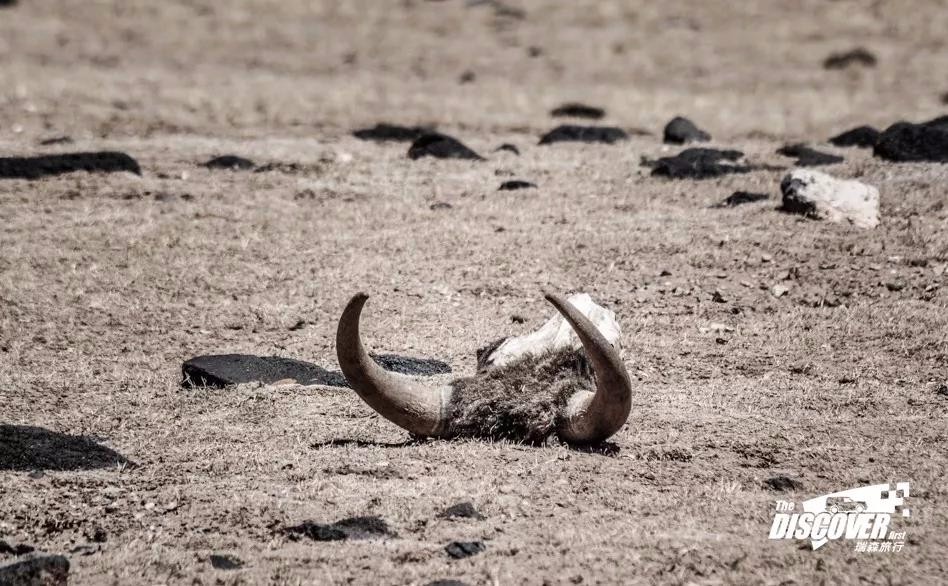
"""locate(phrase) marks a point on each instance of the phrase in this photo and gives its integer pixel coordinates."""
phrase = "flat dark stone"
(680, 130)
(575, 110)
(25, 448)
(225, 562)
(861, 136)
(515, 184)
(232, 162)
(464, 510)
(905, 142)
(698, 163)
(39, 569)
(351, 528)
(508, 147)
(391, 132)
(21, 549)
(464, 549)
(56, 140)
(783, 483)
(223, 370)
(441, 146)
(49, 165)
(740, 198)
(574, 133)
(808, 157)
(859, 56)
(447, 583)
(411, 366)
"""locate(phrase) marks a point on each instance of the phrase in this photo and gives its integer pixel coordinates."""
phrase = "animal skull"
(581, 408)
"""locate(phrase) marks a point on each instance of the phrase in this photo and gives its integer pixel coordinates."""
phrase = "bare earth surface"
(109, 282)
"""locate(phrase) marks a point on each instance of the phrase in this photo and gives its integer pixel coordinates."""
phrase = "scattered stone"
(440, 205)
(467, 77)
(942, 390)
(779, 290)
(391, 132)
(783, 483)
(508, 147)
(36, 569)
(944, 98)
(859, 56)
(904, 141)
(718, 297)
(351, 528)
(895, 286)
(807, 157)
(49, 165)
(515, 184)
(740, 198)
(698, 163)
(22, 549)
(464, 549)
(464, 510)
(223, 370)
(680, 130)
(232, 162)
(56, 140)
(411, 366)
(575, 110)
(7, 3)
(574, 133)
(861, 136)
(225, 562)
(447, 583)
(822, 196)
(441, 146)
(219, 371)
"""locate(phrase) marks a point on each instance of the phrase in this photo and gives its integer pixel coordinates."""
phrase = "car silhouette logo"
(844, 504)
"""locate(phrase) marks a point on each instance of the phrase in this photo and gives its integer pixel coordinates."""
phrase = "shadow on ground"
(24, 447)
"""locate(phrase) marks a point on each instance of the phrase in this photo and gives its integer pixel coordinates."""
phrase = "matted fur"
(523, 401)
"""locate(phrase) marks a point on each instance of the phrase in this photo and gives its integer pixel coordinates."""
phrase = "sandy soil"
(109, 282)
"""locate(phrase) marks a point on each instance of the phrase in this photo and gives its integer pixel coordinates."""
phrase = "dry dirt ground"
(109, 282)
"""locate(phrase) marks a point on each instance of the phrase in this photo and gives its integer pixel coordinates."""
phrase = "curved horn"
(593, 417)
(409, 406)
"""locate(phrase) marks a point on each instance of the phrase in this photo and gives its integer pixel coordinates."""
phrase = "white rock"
(825, 197)
(556, 334)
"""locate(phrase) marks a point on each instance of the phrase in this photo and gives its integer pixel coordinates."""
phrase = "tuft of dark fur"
(521, 402)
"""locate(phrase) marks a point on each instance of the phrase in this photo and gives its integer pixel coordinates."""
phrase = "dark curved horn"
(410, 406)
(593, 417)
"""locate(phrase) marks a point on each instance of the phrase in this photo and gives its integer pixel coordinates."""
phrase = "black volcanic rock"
(740, 198)
(350, 528)
(698, 163)
(464, 549)
(515, 184)
(574, 110)
(232, 162)
(391, 132)
(859, 56)
(509, 148)
(904, 142)
(807, 157)
(574, 133)
(441, 146)
(680, 130)
(861, 136)
(223, 370)
(50, 165)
